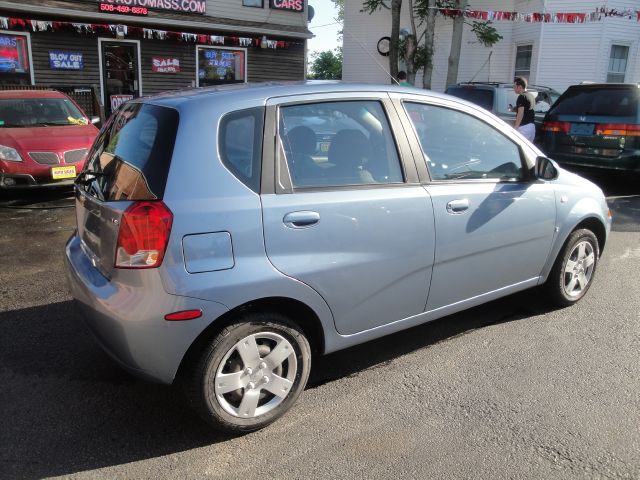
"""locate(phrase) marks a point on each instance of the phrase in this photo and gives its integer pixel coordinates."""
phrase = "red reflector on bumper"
(183, 315)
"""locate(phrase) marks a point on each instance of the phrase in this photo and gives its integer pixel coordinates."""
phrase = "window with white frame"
(523, 61)
(617, 63)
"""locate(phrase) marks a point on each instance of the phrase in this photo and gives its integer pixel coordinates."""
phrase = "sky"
(326, 37)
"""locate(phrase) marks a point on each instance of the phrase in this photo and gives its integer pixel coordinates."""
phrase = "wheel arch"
(295, 310)
(597, 227)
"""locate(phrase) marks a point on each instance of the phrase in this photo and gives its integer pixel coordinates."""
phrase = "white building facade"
(556, 54)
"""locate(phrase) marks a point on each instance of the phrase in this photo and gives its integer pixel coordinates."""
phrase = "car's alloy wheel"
(251, 373)
(578, 269)
(575, 267)
(256, 375)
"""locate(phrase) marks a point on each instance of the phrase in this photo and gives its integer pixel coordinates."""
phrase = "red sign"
(165, 65)
(125, 9)
(292, 5)
(180, 6)
(117, 100)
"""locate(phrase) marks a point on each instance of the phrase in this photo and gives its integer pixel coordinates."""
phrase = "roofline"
(171, 24)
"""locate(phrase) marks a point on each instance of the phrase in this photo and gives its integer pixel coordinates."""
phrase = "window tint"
(460, 146)
(240, 142)
(338, 143)
(132, 154)
(617, 101)
(480, 96)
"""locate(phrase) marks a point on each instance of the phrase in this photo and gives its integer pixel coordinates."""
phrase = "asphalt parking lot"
(511, 389)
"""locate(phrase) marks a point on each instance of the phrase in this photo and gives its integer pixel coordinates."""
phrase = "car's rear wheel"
(574, 270)
(251, 373)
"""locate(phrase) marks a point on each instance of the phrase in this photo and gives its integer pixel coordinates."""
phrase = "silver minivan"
(226, 236)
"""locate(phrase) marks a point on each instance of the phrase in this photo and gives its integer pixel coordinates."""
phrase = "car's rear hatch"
(597, 123)
(127, 166)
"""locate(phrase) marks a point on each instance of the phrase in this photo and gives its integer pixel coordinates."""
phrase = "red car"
(44, 138)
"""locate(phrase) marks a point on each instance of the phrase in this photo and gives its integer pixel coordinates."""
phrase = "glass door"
(120, 72)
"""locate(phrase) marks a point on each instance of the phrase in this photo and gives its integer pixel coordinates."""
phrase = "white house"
(557, 54)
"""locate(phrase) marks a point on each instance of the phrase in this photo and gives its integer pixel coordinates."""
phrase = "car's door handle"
(302, 219)
(458, 206)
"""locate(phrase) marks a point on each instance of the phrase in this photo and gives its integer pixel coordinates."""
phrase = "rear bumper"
(629, 163)
(127, 316)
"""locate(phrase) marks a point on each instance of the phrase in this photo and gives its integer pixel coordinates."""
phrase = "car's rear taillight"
(556, 127)
(618, 129)
(143, 236)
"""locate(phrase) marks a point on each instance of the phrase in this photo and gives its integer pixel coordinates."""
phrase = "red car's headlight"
(9, 154)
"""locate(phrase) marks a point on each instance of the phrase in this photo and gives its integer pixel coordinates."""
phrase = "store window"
(217, 66)
(253, 3)
(617, 63)
(14, 59)
(523, 61)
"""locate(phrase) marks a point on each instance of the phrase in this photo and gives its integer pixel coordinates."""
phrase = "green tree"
(326, 65)
(417, 50)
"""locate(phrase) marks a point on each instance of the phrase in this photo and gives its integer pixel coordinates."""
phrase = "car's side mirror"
(545, 169)
(95, 120)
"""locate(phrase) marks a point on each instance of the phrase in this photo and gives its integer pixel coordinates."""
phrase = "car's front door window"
(459, 146)
(331, 144)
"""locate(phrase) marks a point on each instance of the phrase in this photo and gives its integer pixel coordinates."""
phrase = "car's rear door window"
(459, 146)
(130, 159)
(338, 144)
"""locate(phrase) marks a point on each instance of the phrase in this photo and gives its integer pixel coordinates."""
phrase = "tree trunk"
(396, 6)
(428, 43)
(456, 44)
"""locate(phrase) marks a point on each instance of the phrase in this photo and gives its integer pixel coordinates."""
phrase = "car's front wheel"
(251, 373)
(574, 270)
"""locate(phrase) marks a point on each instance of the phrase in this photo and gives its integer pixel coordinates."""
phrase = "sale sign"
(165, 65)
(65, 60)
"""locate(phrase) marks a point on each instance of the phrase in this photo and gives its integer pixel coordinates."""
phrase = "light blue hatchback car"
(227, 235)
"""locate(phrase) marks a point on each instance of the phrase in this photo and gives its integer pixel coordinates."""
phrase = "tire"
(240, 356)
(574, 269)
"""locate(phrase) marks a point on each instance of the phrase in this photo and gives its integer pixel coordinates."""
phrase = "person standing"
(525, 115)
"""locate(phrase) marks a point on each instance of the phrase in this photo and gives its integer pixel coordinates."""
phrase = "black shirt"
(525, 100)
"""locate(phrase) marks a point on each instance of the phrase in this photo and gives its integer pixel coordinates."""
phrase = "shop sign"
(117, 100)
(165, 65)
(65, 60)
(181, 6)
(292, 5)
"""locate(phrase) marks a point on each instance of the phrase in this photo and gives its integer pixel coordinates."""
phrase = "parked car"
(596, 126)
(496, 97)
(44, 138)
(214, 250)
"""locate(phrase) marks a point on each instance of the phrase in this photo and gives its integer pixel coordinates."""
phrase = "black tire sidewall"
(211, 409)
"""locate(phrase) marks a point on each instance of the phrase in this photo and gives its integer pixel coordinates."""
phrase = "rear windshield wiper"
(87, 177)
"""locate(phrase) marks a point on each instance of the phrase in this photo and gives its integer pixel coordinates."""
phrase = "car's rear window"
(130, 158)
(479, 96)
(606, 101)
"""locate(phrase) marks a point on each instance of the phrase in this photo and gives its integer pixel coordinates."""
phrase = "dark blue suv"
(595, 125)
